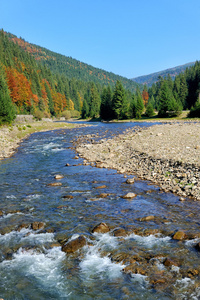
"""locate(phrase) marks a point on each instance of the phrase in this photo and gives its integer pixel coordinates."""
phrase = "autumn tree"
(145, 95)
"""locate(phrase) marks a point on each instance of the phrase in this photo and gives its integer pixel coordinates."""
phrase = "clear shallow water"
(32, 268)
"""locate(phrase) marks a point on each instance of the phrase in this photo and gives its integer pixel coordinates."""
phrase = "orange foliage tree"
(20, 88)
(145, 96)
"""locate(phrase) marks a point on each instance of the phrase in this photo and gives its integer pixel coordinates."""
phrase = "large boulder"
(74, 245)
(101, 228)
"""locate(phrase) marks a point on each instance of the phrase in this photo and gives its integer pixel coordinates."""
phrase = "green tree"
(139, 104)
(106, 104)
(132, 107)
(94, 102)
(7, 112)
(164, 99)
(118, 100)
(149, 110)
(85, 110)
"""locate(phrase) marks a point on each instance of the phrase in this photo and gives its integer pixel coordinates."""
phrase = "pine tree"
(7, 112)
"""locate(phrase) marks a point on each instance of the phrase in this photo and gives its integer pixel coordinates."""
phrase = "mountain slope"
(153, 78)
(71, 67)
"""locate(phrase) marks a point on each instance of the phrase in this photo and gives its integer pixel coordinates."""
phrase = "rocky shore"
(166, 154)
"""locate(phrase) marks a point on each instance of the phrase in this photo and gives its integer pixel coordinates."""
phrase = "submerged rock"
(68, 197)
(103, 195)
(58, 176)
(130, 180)
(37, 225)
(148, 218)
(100, 187)
(180, 235)
(55, 184)
(119, 232)
(129, 196)
(74, 245)
(101, 228)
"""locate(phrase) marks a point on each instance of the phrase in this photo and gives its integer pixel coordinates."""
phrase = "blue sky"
(127, 37)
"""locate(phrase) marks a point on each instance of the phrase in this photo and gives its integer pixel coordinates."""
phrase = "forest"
(36, 81)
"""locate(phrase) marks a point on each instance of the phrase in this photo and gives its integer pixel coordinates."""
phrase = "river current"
(32, 264)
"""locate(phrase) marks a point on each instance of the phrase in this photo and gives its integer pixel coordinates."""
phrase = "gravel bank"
(167, 154)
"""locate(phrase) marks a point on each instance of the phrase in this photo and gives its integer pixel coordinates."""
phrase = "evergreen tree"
(164, 99)
(118, 99)
(85, 110)
(183, 92)
(139, 105)
(94, 102)
(7, 112)
(132, 107)
(149, 110)
(106, 104)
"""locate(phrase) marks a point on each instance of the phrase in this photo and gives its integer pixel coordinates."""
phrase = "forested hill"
(153, 78)
(71, 67)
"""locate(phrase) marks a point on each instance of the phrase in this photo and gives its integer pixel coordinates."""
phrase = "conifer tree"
(106, 104)
(139, 104)
(94, 102)
(85, 110)
(118, 99)
(7, 112)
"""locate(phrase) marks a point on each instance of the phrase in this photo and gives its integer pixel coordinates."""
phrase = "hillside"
(153, 78)
(71, 67)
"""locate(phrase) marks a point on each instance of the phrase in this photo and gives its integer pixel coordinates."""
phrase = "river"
(32, 264)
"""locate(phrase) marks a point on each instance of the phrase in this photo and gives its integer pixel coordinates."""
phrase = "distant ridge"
(153, 78)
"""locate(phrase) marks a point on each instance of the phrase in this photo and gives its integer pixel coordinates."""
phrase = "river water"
(32, 264)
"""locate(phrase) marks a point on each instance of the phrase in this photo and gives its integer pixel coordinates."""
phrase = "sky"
(130, 38)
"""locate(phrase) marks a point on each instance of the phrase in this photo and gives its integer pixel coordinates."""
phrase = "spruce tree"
(106, 104)
(164, 99)
(94, 102)
(85, 110)
(118, 99)
(7, 112)
(139, 104)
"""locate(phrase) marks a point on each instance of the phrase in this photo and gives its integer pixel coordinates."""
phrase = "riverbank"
(166, 154)
(11, 136)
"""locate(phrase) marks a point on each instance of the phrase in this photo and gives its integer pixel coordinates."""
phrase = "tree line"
(28, 86)
(167, 97)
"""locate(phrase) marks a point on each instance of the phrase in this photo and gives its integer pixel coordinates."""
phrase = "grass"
(21, 131)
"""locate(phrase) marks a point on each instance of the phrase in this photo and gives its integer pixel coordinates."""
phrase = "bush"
(38, 114)
(195, 111)
(75, 113)
(66, 114)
